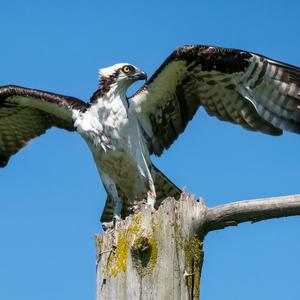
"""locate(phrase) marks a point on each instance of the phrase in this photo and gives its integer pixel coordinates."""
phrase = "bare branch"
(251, 211)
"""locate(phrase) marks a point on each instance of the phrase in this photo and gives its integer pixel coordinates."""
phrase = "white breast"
(119, 149)
(109, 125)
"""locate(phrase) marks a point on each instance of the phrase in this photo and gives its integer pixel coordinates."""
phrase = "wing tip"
(3, 160)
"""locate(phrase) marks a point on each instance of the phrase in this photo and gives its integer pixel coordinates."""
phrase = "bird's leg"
(151, 194)
(111, 189)
(149, 198)
(117, 209)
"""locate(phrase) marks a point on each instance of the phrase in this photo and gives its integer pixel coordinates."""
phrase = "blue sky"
(51, 197)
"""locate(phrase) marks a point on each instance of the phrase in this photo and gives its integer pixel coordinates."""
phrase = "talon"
(112, 224)
(151, 198)
(134, 208)
(116, 219)
(107, 225)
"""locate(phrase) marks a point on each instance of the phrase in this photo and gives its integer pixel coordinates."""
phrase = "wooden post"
(159, 254)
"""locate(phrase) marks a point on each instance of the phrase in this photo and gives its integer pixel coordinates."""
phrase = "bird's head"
(123, 74)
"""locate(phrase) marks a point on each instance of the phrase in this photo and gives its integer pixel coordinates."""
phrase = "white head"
(119, 76)
(122, 73)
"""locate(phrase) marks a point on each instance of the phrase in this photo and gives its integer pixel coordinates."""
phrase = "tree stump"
(153, 254)
(158, 254)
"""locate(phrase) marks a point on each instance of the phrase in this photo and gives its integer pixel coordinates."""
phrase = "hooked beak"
(139, 75)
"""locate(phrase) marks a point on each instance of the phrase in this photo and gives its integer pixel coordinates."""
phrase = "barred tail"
(164, 187)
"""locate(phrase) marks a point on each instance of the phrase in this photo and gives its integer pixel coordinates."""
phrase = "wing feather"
(27, 113)
(248, 89)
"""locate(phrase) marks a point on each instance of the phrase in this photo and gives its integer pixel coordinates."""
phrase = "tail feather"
(163, 186)
(108, 211)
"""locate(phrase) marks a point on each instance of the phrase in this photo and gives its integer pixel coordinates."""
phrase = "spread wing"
(248, 89)
(27, 113)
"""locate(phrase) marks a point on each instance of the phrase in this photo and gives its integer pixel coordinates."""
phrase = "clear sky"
(51, 197)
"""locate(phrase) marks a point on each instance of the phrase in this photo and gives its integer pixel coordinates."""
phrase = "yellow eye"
(126, 69)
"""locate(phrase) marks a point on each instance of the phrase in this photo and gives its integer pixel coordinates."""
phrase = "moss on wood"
(193, 251)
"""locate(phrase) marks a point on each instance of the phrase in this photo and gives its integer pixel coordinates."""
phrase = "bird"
(122, 132)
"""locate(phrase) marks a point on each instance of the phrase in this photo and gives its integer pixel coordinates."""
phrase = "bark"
(159, 254)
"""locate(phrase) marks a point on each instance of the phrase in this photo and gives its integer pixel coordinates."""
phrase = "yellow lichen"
(117, 261)
(193, 250)
(136, 224)
(154, 251)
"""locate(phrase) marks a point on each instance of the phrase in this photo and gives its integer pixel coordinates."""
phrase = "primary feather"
(27, 113)
(248, 89)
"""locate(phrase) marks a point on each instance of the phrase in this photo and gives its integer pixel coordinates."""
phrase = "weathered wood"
(153, 254)
(159, 254)
(251, 211)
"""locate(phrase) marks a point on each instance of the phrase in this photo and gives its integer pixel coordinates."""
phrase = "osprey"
(248, 89)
